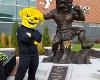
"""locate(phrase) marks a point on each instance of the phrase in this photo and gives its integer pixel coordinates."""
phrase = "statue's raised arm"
(78, 13)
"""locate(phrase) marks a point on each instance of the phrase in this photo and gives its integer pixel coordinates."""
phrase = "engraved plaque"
(58, 73)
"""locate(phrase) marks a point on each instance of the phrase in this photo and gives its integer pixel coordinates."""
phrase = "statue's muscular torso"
(64, 19)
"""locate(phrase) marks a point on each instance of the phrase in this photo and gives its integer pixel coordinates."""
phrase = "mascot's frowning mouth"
(31, 17)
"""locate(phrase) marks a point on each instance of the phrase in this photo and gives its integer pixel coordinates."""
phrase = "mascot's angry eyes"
(31, 17)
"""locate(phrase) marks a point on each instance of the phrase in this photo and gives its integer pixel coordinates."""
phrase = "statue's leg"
(62, 46)
(55, 45)
(82, 39)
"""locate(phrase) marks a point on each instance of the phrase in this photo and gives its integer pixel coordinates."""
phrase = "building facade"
(90, 7)
(9, 10)
(9, 14)
(12, 7)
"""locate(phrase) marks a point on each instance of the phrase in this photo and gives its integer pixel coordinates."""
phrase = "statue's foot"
(49, 58)
(87, 46)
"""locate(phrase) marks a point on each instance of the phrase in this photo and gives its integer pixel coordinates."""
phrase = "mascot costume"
(28, 39)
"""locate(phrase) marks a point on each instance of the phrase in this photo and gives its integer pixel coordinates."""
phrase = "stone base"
(81, 57)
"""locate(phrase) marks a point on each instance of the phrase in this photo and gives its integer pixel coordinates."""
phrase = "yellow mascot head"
(31, 17)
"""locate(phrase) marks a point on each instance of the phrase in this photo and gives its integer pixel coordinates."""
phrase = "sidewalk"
(78, 72)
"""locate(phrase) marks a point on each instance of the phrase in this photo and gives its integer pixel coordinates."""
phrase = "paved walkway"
(97, 49)
(76, 71)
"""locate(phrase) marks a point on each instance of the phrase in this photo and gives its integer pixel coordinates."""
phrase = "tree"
(0, 41)
(46, 39)
(3, 40)
(9, 41)
(14, 37)
(41, 49)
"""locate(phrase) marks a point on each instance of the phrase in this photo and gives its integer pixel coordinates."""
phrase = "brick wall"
(93, 15)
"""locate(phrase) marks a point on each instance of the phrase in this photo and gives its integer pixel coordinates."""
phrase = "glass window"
(32, 2)
(0, 1)
(12, 7)
(8, 1)
(8, 9)
(17, 12)
(22, 3)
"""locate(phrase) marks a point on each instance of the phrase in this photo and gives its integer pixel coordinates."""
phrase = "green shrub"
(0, 41)
(3, 40)
(14, 37)
(3, 56)
(46, 39)
(6, 39)
(41, 49)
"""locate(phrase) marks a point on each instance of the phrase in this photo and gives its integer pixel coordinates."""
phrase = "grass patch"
(0, 46)
(77, 47)
(96, 45)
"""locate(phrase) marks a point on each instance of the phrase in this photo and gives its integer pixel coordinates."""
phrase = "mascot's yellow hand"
(36, 43)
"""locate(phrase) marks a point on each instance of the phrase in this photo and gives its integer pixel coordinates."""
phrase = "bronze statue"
(64, 14)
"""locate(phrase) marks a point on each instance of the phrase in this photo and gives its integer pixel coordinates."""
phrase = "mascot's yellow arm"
(36, 43)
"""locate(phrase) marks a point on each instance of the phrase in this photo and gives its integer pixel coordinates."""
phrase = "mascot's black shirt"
(25, 41)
